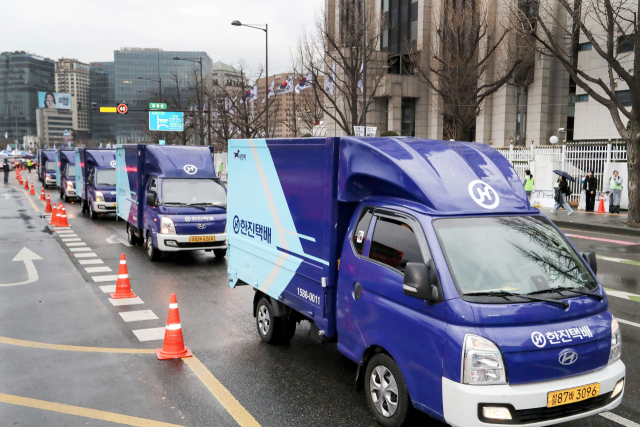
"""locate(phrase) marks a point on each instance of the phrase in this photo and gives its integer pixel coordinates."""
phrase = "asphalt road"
(303, 383)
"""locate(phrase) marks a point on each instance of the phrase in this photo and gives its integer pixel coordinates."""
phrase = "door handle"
(357, 291)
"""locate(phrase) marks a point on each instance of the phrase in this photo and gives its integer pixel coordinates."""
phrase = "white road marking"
(111, 278)
(26, 256)
(67, 236)
(71, 239)
(134, 316)
(113, 239)
(108, 289)
(618, 419)
(97, 269)
(626, 322)
(65, 232)
(76, 244)
(125, 301)
(85, 255)
(61, 228)
(621, 294)
(151, 334)
(90, 261)
(80, 249)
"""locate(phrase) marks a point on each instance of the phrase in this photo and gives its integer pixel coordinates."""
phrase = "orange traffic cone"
(123, 286)
(26, 184)
(173, 345)
(601, 205)
(33, 191)
(62, 222)
(48, 208)
(44, 199)
(54, 215)
(20, 179)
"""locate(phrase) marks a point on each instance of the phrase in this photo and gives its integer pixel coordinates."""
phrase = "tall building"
(137, 77)
(72, 77)
(55, 126)
(22, 76)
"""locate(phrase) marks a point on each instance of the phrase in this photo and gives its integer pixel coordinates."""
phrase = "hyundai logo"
(202, 226)
(568, 357)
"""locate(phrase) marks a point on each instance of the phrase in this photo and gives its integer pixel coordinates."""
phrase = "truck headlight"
(167, 226)
(483, 364)
(616, 341)
(99, 196)
(69, 185)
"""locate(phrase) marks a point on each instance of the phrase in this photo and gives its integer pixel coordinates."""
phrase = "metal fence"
(575, 158)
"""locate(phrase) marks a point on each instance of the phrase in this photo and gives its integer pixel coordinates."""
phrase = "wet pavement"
(302, 383)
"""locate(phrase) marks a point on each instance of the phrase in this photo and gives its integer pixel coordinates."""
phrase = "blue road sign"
(169, 121)
(162, 141)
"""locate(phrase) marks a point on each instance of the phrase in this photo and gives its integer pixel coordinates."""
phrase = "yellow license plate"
(572, 395)
(198, 239)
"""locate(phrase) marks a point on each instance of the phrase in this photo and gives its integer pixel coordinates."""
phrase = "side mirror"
(90, 180)
(590, 258)
(151, 199)
(421, 281)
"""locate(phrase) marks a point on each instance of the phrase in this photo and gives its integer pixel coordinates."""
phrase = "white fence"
(575, 158)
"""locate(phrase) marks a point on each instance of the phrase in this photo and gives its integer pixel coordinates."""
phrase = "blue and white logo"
(538, 339)
(568, 357)
(190, 169)
(113, 163)
(481, 192)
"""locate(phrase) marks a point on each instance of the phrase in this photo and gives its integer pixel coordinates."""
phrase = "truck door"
(150, 213)
(410, 329)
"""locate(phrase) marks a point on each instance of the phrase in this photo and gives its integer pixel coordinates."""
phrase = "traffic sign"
(170, 121)
(157, 106)
(108, 110)
(123, 108)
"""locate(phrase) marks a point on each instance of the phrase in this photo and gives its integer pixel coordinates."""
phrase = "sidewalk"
(591, 221)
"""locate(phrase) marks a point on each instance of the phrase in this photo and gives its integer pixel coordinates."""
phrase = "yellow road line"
(34, 344)
(83, 412)
(33, 205)
(230, 403)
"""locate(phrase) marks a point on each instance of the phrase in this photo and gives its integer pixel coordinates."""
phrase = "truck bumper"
(49, 181)
(461, 401)
(103, 207)
(70, 192)
(179, 242)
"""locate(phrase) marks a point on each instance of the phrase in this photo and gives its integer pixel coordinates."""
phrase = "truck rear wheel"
(386, 391)
(131, 235)
(273, 330)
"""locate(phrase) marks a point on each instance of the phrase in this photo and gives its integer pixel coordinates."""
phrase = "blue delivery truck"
(47, 167)
(425, 262)
(171, 198)
(66, 173)
(96, 180)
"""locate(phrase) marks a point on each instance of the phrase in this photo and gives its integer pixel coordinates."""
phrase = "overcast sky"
(90, 30)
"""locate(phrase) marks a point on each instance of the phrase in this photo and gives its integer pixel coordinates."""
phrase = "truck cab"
(171, 199)
(66, 174)
(426, 264)
(47, 167)
(96, 180)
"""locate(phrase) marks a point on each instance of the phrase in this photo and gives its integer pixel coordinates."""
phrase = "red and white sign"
(123, 108)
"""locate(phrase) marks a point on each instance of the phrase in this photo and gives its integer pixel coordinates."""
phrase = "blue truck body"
(96, 180)
(188, 210)
(65, 173)
(407, 252)
(47, 167)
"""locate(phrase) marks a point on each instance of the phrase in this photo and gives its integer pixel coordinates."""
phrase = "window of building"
(585, 46)
(624, 97)
(626, 43)
(582, 98)
(408, 125)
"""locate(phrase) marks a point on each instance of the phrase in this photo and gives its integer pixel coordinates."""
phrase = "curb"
(626, 231)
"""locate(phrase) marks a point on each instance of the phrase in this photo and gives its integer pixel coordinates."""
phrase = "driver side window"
(394, 244)
(152, 187)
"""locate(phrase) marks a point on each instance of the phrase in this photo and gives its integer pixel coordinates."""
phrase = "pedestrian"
(590, 186)
(5, 168)
(562, 191)
(615, 193)
(528, 183)
(29, 165)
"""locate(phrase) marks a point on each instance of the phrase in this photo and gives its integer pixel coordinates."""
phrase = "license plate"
(198, 239)
(572, 395)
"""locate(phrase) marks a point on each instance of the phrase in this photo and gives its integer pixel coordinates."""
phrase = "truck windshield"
(510, 255)
(71, 171)
(50, 166)
(106, 177)
(193, 192)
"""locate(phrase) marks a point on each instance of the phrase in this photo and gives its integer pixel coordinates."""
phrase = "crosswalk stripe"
(85, 255)
(108, 289)
(111, 278)
(134, 316)
(150, 334)
(76, 244)
(80, 249)
(97, 269)
(71, 239)
(90, 261)
(125, 301)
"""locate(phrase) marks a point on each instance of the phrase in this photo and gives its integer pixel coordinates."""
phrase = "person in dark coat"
(5, 169)
(561, 196)
(590, 186)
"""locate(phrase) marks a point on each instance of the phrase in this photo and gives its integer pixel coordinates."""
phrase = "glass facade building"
(102, 93)
(22, 76)
(120, 80)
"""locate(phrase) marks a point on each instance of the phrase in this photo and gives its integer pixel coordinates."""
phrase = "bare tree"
(471, 58)
(338, 55)
(556, 26)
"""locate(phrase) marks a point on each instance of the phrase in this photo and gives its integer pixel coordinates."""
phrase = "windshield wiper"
(176, 203)
(564, 304)
(559, 289)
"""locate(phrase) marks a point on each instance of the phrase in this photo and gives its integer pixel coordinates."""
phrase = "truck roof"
(68, 155)
(102, 157)
(446, 177)
(174, 161)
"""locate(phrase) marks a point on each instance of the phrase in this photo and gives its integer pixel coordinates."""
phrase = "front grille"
(201, 244)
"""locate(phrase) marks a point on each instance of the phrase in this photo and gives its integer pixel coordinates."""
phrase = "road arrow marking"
(6, 196)
(26, 256)
(113, 239)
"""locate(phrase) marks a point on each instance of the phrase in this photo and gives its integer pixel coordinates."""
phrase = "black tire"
(83, 205)
(288, 329)
(61, 194)
(220, 253)
(152, 252)
(65, 197)
(92, 213)
(381, 374)
(269, 327)
(131, 236)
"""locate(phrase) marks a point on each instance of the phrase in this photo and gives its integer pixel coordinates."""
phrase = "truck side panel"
(283, 222)
(80, 173)
(129, 185)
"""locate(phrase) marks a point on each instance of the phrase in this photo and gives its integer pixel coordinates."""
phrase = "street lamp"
(159, 81)
(177, 58)
(237, 23)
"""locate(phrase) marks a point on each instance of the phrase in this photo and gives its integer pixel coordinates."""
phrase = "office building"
(22, 76)
(54, 126)
(162, 79)
(72, 77)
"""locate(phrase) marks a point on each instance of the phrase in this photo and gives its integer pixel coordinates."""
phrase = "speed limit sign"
(123, 108)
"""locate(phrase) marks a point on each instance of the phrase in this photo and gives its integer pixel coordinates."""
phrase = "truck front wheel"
(386, 391)
(152, 252)
(220, 253)
(92, 213)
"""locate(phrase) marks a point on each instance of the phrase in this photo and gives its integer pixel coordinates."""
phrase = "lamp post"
(177, 58)
(159, 81)
(237, 23)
